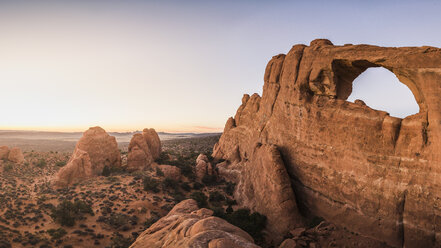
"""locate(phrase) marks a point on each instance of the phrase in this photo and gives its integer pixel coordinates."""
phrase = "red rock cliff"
(375, 174)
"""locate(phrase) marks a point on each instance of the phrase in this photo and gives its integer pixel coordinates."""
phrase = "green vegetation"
(150, 184)
(57, 233)
(200, 198)
(119, 241)
(41, 163)
(252, 223)
(66, 213)
(60, 163)
(110, 170)
(8, 167)
(209, 180)
(159, 172)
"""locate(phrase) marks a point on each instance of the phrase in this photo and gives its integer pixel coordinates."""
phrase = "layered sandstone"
(188, 226)
(357, 167)
(16, 155)
(143, 149)
(95, 150)
(203, 167)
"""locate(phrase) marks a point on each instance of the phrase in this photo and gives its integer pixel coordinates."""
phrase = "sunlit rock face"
(143, 149)
(188, 226)
(95, 150)
(352, 165)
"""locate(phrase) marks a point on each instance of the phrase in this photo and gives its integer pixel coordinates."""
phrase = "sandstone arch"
(377, 175)
(381, 90)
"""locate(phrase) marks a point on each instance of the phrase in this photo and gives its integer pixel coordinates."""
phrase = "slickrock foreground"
(357, 167)
(95, 150)
(188, 226)
(144, 148)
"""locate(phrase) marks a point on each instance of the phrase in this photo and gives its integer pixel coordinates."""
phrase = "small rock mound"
(188, 226)
(14, 155)
(203, 167)
(170, 171)
(95, 150)
(144, 148)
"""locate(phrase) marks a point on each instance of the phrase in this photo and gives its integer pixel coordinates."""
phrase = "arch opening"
(381, 90)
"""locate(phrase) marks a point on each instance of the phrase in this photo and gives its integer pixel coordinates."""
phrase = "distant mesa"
(14, 154)
(94, 151)
(143, 149)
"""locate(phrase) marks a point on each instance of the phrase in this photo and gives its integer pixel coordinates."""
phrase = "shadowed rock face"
(357, 167)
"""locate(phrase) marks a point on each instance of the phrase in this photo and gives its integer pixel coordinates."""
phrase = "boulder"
(146, 142)
(188, 226)
(153, 141)
(203, 167)
(170, 171)
(95, 150)
(79, 168)
(16, 155)
(4, 152)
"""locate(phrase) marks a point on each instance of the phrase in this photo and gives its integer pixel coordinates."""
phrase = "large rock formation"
(374, 174)
(188, 226)
(16, 155)
(203, 167)
(95, 150)
(143, 149)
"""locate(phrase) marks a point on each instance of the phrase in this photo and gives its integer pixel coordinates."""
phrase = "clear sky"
(173, 65)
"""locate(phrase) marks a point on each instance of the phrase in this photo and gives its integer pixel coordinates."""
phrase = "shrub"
(229, 188)
(109, 170)
(159, 172)
(8, 167)
(209, 179)
(197, 186)
(150, 184)
(41, 163)
(60, 163)
(200, 198)
(185, 186)
(119, 241)
(150, 221)
(170, 184)
(251, 223)
(57, 233)
(66, 213)
(215, 196)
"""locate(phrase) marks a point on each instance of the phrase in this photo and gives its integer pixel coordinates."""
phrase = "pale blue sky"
(172, 65)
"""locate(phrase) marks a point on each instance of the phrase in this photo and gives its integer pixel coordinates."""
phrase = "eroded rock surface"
(16, 155)
(143, 149)
(357, 167)
(188, 226)
(203, 167)
(95, 150)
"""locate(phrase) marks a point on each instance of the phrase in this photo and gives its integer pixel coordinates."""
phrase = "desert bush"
(159, 172)
(197, 185)
(110, 170)
(252, 223)
(215, 196)
(229, 188)
(8, 167)
(56, 233)
(66, 213)
(119, 241)
(170, 184)
(150, 184)
(60, 163)
(185, 186)
(41, 163)
(200, 198)
(209, 180)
